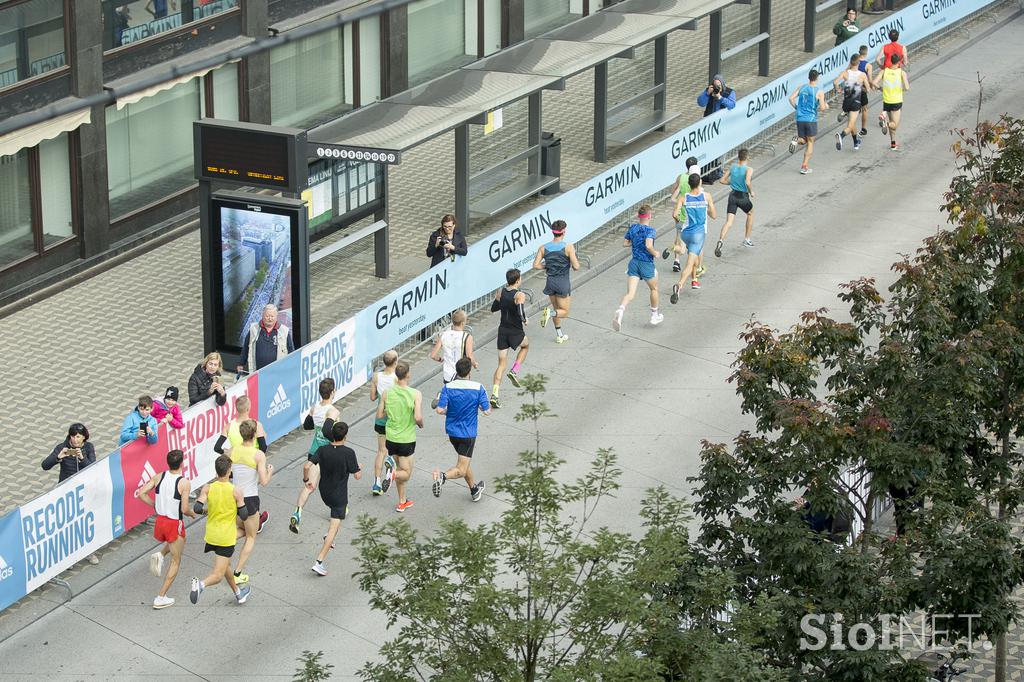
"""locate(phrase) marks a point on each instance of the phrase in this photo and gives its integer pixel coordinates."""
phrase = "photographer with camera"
(73, 454)
(140, 423)
(446, 242)
(205, 381)
(715, 97)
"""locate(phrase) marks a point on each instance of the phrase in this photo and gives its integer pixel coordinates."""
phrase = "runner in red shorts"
(171, 503)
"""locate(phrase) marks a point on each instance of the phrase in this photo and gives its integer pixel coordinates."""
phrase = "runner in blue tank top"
(866, 68)
(738, 177)
(557, 257)
(808, 100)
(698, 207)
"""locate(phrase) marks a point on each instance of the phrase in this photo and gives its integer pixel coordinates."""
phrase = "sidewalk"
(88, 352)
(651, 393)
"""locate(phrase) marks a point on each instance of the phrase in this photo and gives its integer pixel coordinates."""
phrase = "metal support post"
(715, 45)
(660, 72)
(601, 112)
(381, 260)
(462, 177)
(764, 47)
(810, 18)
(533, 132)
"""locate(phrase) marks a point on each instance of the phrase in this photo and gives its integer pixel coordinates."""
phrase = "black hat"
(171, 393)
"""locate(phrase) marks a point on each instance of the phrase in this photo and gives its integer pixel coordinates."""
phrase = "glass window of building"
(31, 39)
(149, 147)
(441, 39)
(35, 200)
(307, 81)
(541, 16)
(125, 23)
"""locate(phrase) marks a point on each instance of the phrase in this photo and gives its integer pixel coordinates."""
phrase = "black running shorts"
(253, 505)
(400, 449)
(739, 200)
(510, 338)
(463, 446)
(220, 550)
(892, 107)
(806, 129)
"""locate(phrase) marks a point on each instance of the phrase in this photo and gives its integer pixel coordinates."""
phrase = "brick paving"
(136, 328)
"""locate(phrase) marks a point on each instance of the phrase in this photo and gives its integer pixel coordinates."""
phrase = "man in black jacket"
(446, 242)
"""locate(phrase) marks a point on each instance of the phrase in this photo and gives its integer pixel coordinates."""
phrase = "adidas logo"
(147, 474)
(279, 404)
(5, 570)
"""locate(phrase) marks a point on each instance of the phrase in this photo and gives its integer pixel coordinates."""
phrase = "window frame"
(184, 29)
(52, 73)
(40, 250)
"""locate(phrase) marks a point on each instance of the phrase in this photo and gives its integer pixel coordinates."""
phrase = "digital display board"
(250, 154)
(256, 245)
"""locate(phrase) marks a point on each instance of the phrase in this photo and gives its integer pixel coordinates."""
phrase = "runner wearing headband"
(640, 237)
(557, 257)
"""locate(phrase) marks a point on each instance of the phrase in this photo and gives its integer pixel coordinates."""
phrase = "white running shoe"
(562, 339)
(747, 242)
(617, 319)
(319, 569)
(162, 602)
(197, 589)
(657, 318)
(792, 145)
(156, 563)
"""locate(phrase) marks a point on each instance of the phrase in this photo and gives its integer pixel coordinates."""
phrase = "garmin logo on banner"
(605, 188)
(695, 138)
(767, 99)
(833, 61)
(930, 9)
(57, 531)
(879, 35)
(432, 286)
(538, 226)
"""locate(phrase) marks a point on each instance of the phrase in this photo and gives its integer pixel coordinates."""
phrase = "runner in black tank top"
(558, 258)
(511, 303)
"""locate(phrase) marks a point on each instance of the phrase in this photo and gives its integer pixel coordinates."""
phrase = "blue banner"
(12, 559)
(280, 403)
(117, 521)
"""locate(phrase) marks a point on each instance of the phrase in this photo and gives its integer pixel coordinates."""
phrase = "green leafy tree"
(542, 595)
(918, 397)
(312, 668)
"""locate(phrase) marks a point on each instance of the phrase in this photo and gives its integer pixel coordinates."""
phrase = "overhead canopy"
(619, 28)
(562, 58)
(12, 143)
(480, 91)
(671, 8)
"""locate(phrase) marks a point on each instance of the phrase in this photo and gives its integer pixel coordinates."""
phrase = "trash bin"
(551, 161)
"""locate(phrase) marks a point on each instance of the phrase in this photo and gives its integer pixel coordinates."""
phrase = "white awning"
(123, 101)
(12, 143)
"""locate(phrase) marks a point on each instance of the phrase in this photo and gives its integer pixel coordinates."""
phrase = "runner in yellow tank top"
(893, 81)
(231, 434)
(224, 503)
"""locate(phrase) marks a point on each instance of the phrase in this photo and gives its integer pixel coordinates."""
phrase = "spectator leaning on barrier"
(73, 454)
(205, 381)
(168, 410)
(847, 27)
(140, 423)
(265, 342)
(446, 241)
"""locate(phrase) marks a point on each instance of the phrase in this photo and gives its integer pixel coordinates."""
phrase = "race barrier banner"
(47, 535)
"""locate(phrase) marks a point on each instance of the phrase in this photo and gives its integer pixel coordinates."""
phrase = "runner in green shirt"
(401, 405)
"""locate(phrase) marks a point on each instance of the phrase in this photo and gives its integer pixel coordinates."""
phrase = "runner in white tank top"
(379, 384)
(314, 421)
(451, 346)
(169, 489)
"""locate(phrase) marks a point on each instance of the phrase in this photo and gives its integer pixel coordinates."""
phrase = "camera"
(716, 89)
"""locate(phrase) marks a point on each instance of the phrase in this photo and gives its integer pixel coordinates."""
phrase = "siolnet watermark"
(923, 632)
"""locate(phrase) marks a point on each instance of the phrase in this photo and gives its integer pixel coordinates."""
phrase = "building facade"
(83, 187)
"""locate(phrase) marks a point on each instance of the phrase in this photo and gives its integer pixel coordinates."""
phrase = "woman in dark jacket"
(205, 381)
(74, 454)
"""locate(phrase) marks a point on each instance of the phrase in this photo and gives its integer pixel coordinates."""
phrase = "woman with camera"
(446, 242)
(73, 454)
(205, 381)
